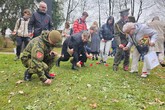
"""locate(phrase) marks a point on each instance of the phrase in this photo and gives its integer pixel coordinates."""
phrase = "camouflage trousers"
(38, 67)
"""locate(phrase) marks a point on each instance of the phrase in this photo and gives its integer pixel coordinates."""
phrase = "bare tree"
(132, 7)
(99, 13)
(71, 7)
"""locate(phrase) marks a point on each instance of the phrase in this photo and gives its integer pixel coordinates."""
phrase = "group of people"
(80, 43)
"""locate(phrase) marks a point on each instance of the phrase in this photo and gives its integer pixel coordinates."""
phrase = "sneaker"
(27, 76)
(126, 68)
(58, 63)
(101, 61)
(144, 74)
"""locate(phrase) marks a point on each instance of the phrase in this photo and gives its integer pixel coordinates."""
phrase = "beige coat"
(22, 30)
(160, 28)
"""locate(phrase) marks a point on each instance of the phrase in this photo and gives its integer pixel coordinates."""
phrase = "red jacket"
(79, 25)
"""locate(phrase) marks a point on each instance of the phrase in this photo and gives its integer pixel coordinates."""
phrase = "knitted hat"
(55, 36)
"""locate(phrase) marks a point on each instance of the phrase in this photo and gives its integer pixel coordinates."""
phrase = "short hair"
(85, 14)
(128, 26)
(86, 34)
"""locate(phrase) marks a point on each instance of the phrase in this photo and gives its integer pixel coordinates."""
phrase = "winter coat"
(79, 25)
(142, 30)
(95, 42)
(39, 21)
(160, 28)
(21, 27)
(107, 31)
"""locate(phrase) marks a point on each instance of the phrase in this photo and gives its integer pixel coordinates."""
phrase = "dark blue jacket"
(39, 21)
(107, 30)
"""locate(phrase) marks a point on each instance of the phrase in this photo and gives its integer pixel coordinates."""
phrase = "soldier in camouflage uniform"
(38, 56)
(121, 41)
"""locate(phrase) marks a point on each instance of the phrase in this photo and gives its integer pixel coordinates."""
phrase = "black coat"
(74, 42)
(39, 21)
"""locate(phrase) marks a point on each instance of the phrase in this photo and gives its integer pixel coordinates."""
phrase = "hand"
(103, 40)
(48, 81)
(89, 56)
(70, 51)
(30, 35)
(53, 53)
(78, 64)
(151, 44)
(125, 48)
(13, 33)
(121, 46)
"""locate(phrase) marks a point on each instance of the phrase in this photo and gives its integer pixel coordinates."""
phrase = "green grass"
(96, 87)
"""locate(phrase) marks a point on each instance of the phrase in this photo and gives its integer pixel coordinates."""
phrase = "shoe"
(96, 58)
(58, 63)
(101, 61)
(74, 67)
(162, 64)
(115, 68)
(27, 76)
(92, 58)
(132, 71)
(16, 58)
(126, 68)
(144, 74)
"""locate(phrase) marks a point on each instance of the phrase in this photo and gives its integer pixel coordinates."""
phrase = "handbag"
(151, 60)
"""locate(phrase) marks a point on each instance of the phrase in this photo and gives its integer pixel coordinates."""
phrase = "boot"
(58, 63)
(27, 76)
(115, 68)
(74, 67)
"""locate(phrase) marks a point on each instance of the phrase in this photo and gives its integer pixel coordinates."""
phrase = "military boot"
(115, 68)
(27, 76)
(58, 62)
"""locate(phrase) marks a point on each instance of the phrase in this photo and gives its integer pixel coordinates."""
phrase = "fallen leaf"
(9, 101)
(84, 98)
(20, 92)
(12, 93)
(94, 105)
(115, 100)
(20, 81)
(88, 85)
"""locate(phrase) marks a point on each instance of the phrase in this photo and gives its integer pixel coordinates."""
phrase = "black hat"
(124, 12)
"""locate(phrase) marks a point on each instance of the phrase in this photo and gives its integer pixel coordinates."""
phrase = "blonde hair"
(128, 26)
(95, 23)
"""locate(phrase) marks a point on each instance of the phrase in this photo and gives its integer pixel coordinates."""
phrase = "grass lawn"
(92, 87)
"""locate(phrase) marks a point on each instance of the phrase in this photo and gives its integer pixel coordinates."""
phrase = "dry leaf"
(9, 101)
(20, 92)
(94, 105)
(20, 81)
(115, 100)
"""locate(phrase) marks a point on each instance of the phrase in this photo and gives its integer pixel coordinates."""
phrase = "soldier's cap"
(131, 19)
(54, 36)
(124, 12)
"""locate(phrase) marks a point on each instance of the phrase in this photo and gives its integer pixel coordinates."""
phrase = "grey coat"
(95, 42)
(141, 30)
